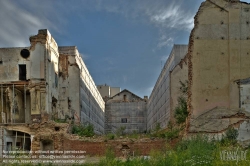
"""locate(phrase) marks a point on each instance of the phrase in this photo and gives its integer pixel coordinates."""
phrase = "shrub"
(120, 131)
(232, 134)
(230, 137)
(181, 111)
(174, 133)
(110, 136)
(87, 130)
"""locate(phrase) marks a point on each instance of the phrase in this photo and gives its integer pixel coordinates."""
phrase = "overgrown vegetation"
(120, 131)
(230, 138)
(197, 150)
(181, 111)
(61, 120)
(110, 136)
(83, 130)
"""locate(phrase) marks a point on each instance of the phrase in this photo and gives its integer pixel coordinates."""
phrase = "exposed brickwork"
(118, 146)
(190, 66)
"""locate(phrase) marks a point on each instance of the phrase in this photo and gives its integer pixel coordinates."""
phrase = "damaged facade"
(79, 97)
(216, 66)
(45, 82)
(218, 56)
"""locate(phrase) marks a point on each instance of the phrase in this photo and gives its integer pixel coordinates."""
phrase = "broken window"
(47, 145)
(124, 120)
(9, 146)
(22, 72)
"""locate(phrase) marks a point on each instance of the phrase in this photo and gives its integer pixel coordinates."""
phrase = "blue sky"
(123, 43)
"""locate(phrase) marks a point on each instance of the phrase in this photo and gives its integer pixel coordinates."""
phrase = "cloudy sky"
(123, 43)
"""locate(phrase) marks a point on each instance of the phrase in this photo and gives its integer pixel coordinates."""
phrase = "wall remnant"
(217, 58)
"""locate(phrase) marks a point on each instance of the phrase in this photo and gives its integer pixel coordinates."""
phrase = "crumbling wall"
(79, 97)
(10, 58)
(48, 134)
(179, 73)
(218, 56)
(122, 148)
(16, 101)
(44, 75)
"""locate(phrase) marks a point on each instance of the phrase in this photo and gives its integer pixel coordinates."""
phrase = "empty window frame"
(124, 120)
(22, 72)
(124, 97)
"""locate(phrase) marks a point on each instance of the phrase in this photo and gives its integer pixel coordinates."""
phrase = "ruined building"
(163, 98)
(45, 82)
(218, 65)
(79, 97)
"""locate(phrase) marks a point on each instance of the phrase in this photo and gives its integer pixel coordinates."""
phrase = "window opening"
(22, 72)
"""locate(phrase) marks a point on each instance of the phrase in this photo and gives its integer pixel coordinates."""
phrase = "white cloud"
(18, 23)
(166, 15)
(165, 42)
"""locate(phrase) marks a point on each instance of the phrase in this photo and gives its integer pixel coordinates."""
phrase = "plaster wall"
(158, 107)
(114, 91)
(219, 56)
(104, 90)
(245, 97)
(45, 91)
(10, 58)
(179, 73)
(79, 97)
(125, 110)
